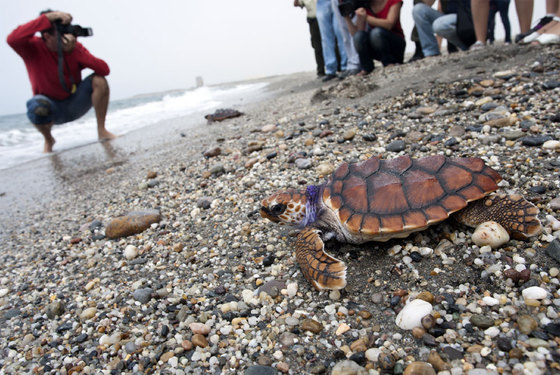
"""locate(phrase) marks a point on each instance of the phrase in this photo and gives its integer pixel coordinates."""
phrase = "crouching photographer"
(54, 64)
(377, 32)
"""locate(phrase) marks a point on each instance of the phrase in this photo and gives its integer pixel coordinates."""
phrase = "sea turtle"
(376, 200)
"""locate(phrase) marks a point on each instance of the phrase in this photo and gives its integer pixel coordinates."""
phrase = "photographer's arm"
(389, 22)
(87, 60)
(21, 37)
(63, 17)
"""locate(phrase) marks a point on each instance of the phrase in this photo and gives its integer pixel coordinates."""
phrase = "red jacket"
(42, 64)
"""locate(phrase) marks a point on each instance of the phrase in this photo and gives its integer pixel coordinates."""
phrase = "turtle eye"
(277, 209)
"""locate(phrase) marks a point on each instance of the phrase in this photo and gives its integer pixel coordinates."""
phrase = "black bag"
(465, 26)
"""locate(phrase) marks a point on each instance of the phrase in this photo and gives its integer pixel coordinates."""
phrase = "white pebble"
(490, 301)
(492, 331)
(490, 233)
(555, 223)
(412, 314)
(130, 252)
(292, 289)
(534, 292)
(551, 145)
(372, 354)
(4, 292)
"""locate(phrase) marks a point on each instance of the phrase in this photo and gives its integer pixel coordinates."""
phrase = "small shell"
(490, 233)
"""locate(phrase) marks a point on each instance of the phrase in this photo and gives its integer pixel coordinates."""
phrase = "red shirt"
(42, 64)
(397, 29)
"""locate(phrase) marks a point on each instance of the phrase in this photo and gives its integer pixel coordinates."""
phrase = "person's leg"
(40, 113)
(353, 60)
(340, 42)
(424, 16)
(524, 10)
(480, 10)
(387, 47)
(364, 51)
(324, 19)
(316, 44)
(491, 24)
(100, 102)
(446, 27)
(503, 8)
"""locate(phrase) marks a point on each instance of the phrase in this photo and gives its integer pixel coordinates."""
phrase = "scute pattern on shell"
(401, 194)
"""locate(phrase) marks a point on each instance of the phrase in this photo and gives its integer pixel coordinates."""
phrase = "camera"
(75, 30)
(347, 7)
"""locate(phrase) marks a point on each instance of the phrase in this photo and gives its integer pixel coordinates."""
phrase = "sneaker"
(543, 21)
(478, 45)
(328, 77)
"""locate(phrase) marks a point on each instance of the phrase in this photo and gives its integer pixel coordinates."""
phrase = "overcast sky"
(154, 46)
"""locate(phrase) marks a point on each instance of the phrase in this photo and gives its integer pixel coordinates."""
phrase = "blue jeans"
(429, 21)
(331, 35)
(42, 110)
(379, 44)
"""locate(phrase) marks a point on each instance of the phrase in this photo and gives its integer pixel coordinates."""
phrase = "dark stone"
(64, 327)
(260, 370)
(488, 106)
(81, 338)
(551, 85)
(220, 290)
(482, 321)
(535, 140)
(12, 313)
(396, 146)
(95, 225)
(537, 189)
(272, 155)
(143, 295)
(555, 118)
(272, 288)
(268, 260)
(452, 353)
(552, 329)
(395, 300)
(553, 250)
(416, 256)
(504, 344)
(429, 340)
(164, 330)
(359, 358)
(370, 137)
(451, 142)
(339, 354)
(474, 128)
(204, 202)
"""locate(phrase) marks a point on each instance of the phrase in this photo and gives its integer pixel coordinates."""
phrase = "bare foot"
(105, 135)
(49, 143)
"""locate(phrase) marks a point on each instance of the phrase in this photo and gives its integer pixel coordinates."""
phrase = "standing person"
(501, 7)
(378, 34)
(331, 39)
(442, 22)
(353, 60)
(60, 98)
(480, 11)
(311, 7)
(549, 33)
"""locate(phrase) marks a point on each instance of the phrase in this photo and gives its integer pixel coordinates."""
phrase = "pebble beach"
(209, 287)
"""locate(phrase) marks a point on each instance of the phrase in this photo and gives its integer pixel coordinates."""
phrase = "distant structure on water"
(199, 81)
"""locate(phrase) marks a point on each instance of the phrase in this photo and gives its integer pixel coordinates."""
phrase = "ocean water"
(20, 142)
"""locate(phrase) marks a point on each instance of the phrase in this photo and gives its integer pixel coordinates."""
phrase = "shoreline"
(72, 300)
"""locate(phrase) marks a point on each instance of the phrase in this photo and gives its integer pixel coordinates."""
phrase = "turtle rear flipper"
(513, 212)
(321, 269)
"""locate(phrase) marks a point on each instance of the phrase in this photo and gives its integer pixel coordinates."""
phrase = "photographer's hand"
(68, 42)
(63, 17)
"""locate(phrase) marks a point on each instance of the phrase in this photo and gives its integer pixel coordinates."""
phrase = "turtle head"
(285, 208)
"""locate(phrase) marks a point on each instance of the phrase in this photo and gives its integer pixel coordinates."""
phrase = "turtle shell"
(384, 197)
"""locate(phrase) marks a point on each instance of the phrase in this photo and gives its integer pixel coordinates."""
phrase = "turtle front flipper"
(513, 212)
(321, 269)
